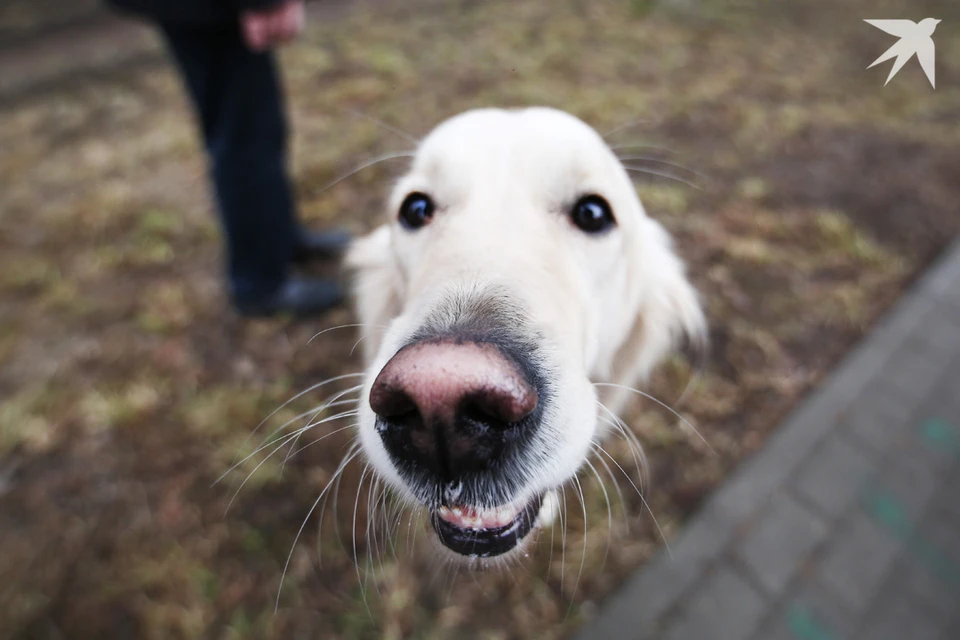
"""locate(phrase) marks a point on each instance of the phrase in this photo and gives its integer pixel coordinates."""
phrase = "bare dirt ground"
(128, 388)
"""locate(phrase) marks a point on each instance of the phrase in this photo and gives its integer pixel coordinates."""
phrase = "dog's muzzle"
(455, 416)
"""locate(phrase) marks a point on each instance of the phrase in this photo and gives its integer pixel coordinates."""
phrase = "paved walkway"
(846, 526)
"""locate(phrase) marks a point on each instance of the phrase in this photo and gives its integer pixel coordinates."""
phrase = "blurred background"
(806, 197)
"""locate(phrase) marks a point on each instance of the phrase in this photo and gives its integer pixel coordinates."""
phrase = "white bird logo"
(915, 38)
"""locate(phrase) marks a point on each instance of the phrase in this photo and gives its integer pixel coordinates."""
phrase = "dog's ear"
(376, 286)
(667, 310)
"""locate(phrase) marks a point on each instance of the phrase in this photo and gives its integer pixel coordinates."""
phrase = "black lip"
(487, 543)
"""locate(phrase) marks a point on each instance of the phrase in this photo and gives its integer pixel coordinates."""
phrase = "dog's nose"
(451, 407)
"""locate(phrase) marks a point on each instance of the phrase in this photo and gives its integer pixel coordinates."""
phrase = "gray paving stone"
(942, 280)
(879, 419)
(703, 539)
(780, 541)
(935, 441)
(952, 632)
(943, 536)
(833, 478)
(909, 482)
(857, 560)
(947, 402)
(946, 504)
(775, 628)
(725, 607)
(940, 332)
(755, 481)
(898, 618)
(885, 399)
(809, 611)
(636, 608)
(919, 581)
(914, 370)
(909, 311)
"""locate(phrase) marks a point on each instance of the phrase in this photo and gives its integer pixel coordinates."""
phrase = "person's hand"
(277, 24)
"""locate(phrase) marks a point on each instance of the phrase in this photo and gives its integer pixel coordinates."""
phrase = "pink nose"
(450, 406)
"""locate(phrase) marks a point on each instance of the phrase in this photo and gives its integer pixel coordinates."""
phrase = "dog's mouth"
(486, 533)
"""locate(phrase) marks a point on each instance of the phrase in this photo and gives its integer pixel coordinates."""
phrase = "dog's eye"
(592, 214)
(416, 211)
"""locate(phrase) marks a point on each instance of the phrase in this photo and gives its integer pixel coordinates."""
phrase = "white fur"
(605, 308)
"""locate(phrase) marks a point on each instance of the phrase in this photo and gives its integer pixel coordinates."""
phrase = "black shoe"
(320, 245)
(296, 296)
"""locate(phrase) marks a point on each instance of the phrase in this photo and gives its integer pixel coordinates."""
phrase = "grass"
(128, 388)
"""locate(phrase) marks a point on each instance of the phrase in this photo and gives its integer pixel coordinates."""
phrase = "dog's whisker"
(408, 547)
(266, 443)
(666, 163)
(583, 552)
(606, 498)
(372, 544)
(352, 425)
(662, 404)
(392, 525)
(356, 559)
(691, 385)
(296, 434)
(330, 401)
(380, 507)
(616, 485)
(343, 326)
(296, 397)
(343, 465)
(456, 574)
(479, 587)
(416, 530)
(662, 174)
(409, 137)
(627, 125)
(342, 414)
(376, 160)
(329, 405)
(633, 446)
(563, 535)
(553, 529)
(280, 446)
(633, 443)
(283, 441)
(352, 447)
(400, 508)
(642, 147)
(356, 344)
(644, 501)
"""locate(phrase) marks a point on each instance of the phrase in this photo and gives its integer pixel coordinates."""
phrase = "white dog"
(517, 268)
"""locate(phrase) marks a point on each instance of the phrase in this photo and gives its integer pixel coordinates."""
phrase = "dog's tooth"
(549, 508)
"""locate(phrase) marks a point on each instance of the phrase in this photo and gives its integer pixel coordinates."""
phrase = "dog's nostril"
(499, 408)
(447, 404)
(390, 402)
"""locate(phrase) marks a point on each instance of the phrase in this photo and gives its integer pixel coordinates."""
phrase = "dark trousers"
(239, 102)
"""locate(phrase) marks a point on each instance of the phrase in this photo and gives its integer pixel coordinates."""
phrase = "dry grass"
(128, 388)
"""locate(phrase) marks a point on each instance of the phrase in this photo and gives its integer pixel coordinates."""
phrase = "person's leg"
(239, 102)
